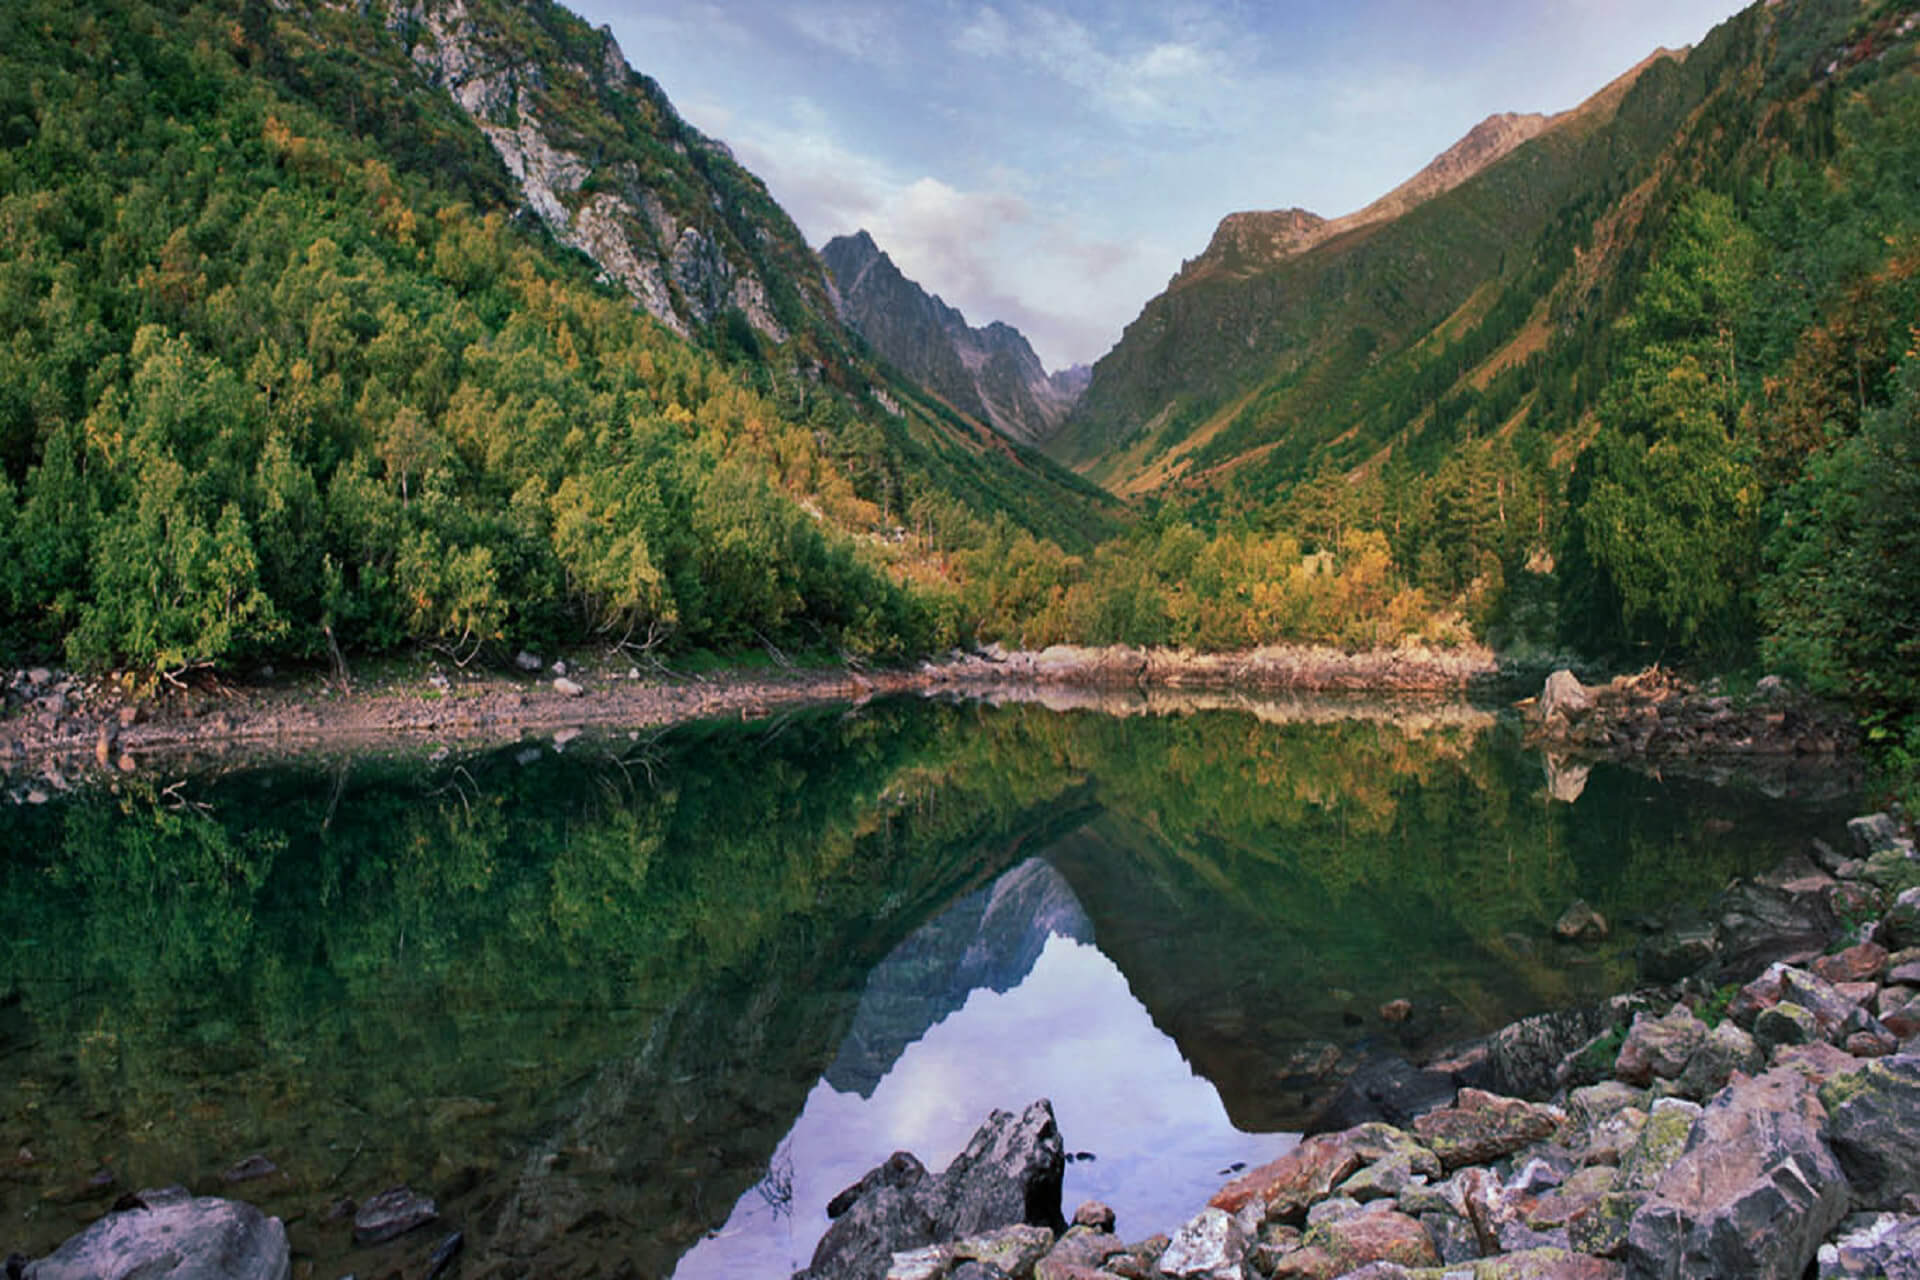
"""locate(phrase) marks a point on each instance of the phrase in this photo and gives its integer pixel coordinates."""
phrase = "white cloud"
(862, 33)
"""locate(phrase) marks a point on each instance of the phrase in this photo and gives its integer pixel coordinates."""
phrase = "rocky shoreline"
(1703, 1126)
(59, 728)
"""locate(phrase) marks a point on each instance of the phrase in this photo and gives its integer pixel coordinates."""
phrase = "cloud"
(864, 34)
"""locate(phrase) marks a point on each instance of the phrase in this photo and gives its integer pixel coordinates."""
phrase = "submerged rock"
(173, 1237)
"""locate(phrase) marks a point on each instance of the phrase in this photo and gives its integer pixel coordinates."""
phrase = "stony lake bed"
(639, 1000)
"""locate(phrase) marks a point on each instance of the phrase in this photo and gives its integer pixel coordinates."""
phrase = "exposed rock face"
(174, 1236)
(1753, 1194)
(1009, 1174)
(687, 266)
(1875, 1128)
(990, 373)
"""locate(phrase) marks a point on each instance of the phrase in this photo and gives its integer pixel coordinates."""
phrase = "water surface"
(642, 1004)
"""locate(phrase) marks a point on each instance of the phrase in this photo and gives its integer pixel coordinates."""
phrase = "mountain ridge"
(989, 373)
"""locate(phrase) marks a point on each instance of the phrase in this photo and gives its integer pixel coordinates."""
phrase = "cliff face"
(599, 154)
(990, 373)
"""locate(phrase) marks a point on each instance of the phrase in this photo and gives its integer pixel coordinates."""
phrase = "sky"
(1052, 163)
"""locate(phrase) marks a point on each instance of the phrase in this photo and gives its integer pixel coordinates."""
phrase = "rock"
(189, 1239)
(1608, 1141)
(1524, 1058)
(1753, 1194)
(1093, 1215)
(1904, 967)
(1762, 923)
(1867, 1246)
(1815, 1063)
(902, 1169)
(1581, 923)
(1008, 1175)
(1878, 833)
(1080, 1250)
(1384, 1088)
(1601, 1228)
(929, 1263)
(1452, 1237)
(1547, 1264)
(1563, 698)
(1786, 1024)
(253, 1166)
(1014, 1250)
(528, 662)
(1286, 1186)
(1681, 950)
(1874, 1125)
(1726, 1049)
(38, 676)
(441, 1259)
(566, 688)
(1901, 1014)
(1658, 1048)
(1361, 1238)
(1211, 1246)
(1900, 927)
(1579, 1194)
(393, 1212)
(1596, 1102)
(1396, 1010)
(1863, 962)
(1481, 1127)
(980, 1271)
(1663, 1137)
(1831, 1007)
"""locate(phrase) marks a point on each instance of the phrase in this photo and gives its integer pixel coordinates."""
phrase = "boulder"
(1601, 1228)
(1878, 833)
(1288, 1185)
(1900, 927)
(1726, 1049)
(1563, 699)
(1581, 923)
(1880, 1246)
(1874, 1125)
(1658, 1048)
(1764, 923)
(1682, 949)
(1786, 1024)
(1013, 1250)
(1863, 962)
(1384, 1088)
(902, 1169)
(393, 1212)
(1524, 1058)
(1081, 1248)
(1481, 1127)
(1386, 1236)
(1094, 1216)
(173, 1237)
(567, 688)
(1211, 1246)
(1009, 1174)
(1547, 1264)
(1662, 1140)
(1753, 1194)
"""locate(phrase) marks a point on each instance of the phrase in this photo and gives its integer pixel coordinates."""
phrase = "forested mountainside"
(990, 373)
(321, 328)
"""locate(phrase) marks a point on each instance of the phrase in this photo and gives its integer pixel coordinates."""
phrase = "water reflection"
(591, 1000)
(1071, 1030)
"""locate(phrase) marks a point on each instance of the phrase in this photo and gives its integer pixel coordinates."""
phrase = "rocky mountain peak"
(989, 372)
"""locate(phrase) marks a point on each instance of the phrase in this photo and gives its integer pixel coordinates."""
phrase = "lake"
(640, 1003)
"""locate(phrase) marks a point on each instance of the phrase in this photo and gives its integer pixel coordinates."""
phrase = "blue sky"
(1050, 164)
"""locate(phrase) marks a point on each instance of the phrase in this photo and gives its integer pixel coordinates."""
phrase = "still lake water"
(640, 1004)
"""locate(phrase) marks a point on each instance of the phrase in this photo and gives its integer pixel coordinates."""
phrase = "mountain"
(1285, 308)
(989, 373)
(355, 328)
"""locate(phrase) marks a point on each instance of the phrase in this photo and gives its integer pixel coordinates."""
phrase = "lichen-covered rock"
(1547, 1264)
(1901, 925)
(1658, 1048)
(1081, 1247)
(1881, 1246)
(1753, 1194)
(1211, 1246)
(1481, 1127)
(1786, 1023)
(1661, 1140)
(1873, 1121)
(1013, 1249)
(1578, 1194)
(1609, 1141)
(1360, 1238)
(1726, 1049)
(1601, 1228)
(176, 1238)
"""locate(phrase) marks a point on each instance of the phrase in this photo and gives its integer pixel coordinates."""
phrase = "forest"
(284, 378)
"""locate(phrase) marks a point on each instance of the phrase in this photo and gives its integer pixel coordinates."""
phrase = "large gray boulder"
(176, 1237)
(1753, 1194)
(1563, 698)
(1874, 1125)
(1010, 1173)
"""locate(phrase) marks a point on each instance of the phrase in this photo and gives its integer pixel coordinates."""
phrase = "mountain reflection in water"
(1001, 999)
